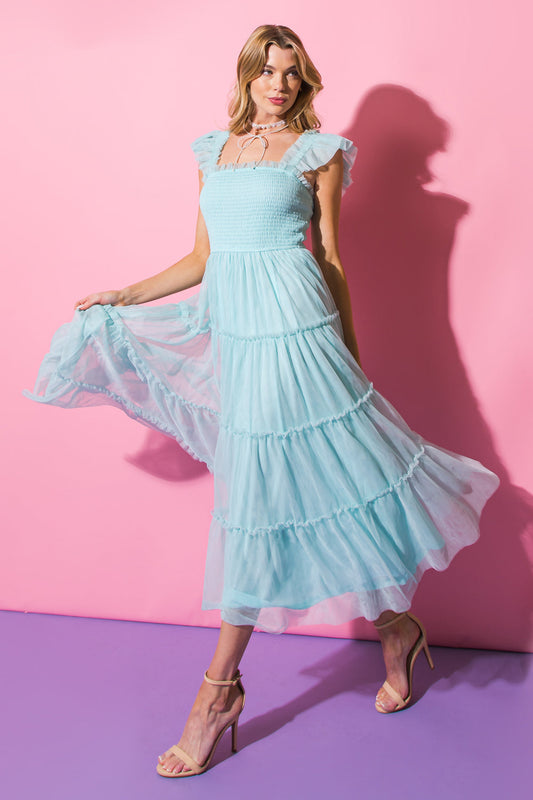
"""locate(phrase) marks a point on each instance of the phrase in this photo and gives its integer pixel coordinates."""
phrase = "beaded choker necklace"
(268, 125)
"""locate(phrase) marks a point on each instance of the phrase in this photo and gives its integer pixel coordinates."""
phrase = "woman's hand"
(111, 298)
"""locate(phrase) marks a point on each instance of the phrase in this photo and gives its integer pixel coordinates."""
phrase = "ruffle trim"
(140, 368)
(327, 609)
(282, 334)
(145, 376)
(203, 146)
(136, 412)
(312, 149)
(320, 151)
(354, 564)
(294, 431)
(280, 527)
(287, 161)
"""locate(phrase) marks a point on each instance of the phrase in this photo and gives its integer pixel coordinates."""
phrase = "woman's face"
(280, 79)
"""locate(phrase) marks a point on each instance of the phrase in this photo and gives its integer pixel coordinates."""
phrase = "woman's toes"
(172, 764)
(384, 701)
(168, 762)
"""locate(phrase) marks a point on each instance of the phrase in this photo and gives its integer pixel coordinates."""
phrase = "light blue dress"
(327, 506)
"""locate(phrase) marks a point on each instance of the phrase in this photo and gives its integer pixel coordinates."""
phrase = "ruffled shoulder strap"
(318, 148)
(206, 148)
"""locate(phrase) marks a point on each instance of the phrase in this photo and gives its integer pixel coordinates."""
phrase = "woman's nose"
(279, 82)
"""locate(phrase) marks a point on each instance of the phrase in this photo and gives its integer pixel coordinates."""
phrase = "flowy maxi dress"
(327, 506)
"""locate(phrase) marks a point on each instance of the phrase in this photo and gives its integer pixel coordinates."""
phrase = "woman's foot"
(397, 640)
(213, 709)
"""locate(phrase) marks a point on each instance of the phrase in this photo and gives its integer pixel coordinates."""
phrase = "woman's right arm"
(186, 272)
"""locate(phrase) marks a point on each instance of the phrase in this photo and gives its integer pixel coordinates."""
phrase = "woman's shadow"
(359, 669)
(396, 241)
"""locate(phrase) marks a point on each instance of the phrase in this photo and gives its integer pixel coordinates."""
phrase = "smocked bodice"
(261, 208)
(263, 205)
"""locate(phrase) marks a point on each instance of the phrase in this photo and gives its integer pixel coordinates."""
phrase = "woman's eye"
(293, 72)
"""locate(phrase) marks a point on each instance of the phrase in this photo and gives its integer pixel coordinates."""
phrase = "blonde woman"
(327, 505)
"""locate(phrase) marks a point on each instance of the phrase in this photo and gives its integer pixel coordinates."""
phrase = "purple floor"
(87, 705)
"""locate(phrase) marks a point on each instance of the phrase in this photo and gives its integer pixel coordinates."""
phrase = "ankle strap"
(391, 621)
(236, 678)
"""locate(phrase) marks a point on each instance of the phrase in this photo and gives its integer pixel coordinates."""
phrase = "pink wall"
(102, 517)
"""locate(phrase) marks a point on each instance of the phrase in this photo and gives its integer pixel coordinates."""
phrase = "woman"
(327, 506)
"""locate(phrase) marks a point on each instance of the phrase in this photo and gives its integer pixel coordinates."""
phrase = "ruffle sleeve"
(322, 149)
(203, 148)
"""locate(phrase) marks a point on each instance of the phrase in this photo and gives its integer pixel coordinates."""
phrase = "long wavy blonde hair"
(250, 64)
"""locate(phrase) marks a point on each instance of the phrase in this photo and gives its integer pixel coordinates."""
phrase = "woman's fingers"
(103, 298)
(87, 302)
(90, 300)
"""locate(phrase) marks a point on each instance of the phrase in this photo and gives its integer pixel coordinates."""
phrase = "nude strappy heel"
(194, 767)
(420, 644)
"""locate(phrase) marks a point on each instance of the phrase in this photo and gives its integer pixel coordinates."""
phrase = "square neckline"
(226, 164)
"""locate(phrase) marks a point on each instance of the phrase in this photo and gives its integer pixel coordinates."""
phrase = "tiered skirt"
(327, 506)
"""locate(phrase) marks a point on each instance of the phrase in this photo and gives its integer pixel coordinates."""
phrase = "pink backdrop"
(104, 518)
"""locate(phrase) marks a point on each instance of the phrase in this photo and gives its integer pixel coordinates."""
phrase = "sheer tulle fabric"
(327, 505)
(154, 363)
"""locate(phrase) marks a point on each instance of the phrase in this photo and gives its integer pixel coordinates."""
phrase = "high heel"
(194, 767)
(420, 644)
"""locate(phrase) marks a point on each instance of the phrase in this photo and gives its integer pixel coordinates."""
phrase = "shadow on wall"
(163, 458)
(396, 243)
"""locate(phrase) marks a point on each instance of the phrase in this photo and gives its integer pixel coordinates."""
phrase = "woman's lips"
(277, 100)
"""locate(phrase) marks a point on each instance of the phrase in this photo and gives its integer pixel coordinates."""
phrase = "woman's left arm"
(325, 243)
